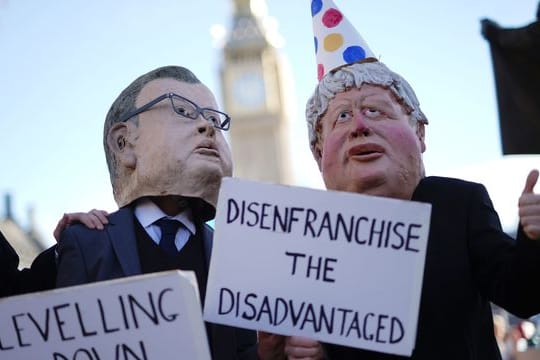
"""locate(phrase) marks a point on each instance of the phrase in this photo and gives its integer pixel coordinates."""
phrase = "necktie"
(168, 228)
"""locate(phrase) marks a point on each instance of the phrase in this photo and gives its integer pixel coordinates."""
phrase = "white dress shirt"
(147, 213)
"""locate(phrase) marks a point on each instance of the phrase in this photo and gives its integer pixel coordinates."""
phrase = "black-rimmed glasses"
(188, 109)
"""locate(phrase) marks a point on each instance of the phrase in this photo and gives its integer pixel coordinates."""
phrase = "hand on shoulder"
(94, 219)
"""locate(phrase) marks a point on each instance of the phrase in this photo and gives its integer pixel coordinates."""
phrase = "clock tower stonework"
(255, 95)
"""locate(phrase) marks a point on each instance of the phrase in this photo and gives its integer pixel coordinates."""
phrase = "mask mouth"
(366, 150)
(207, 144)
(207, 147)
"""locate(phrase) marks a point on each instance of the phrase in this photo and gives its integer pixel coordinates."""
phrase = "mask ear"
(120, 144)
(317, 146)
(421, 134)
(316, 150)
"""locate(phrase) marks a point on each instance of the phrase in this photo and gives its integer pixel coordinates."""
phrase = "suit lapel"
(122, 236)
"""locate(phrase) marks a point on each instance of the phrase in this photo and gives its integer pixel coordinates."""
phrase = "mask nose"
(206, 128)
(360, 126)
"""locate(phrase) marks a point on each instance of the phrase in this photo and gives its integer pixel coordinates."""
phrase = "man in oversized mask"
(164, 144)
(367, 135)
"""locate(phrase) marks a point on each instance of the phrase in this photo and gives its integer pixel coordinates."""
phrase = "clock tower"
(254, 95)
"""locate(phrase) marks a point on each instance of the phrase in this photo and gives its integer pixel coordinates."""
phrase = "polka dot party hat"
(337, 42)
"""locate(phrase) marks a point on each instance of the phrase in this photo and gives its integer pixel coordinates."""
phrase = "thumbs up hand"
(529, 207)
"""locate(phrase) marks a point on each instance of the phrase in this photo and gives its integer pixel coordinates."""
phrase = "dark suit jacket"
(40, 276)
(470, 261)
(87, 255)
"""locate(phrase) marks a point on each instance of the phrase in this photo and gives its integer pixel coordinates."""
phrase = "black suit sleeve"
(8, 267)
(505, 270)
(40, 276)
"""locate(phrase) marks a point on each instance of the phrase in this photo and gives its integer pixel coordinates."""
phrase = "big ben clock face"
(248, 90)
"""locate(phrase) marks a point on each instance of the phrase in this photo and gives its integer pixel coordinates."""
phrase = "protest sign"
(155, 316)
(337, 267)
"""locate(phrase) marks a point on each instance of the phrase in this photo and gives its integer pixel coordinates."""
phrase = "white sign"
(156, 316)
(337, 267)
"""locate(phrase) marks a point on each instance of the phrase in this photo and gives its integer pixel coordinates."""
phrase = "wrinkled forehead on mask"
(354, 76)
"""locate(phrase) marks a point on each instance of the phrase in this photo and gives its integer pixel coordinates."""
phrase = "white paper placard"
(337, 267)
(155, 316)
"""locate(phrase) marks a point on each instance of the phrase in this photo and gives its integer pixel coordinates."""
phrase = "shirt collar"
(147, 212)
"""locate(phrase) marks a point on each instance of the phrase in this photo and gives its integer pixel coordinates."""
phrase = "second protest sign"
(337, 267)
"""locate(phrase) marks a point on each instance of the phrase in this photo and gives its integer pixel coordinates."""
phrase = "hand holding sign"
(275, 347)
(298, 347)
(270, 346)
(529, 207)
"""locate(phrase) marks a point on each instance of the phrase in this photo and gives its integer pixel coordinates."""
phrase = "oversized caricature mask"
(160, 152)
(358, 95)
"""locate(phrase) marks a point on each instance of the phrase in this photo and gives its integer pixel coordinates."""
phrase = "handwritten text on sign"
(144, 317)
(338, 267)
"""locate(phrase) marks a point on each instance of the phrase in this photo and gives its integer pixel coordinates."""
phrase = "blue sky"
(63, 64)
